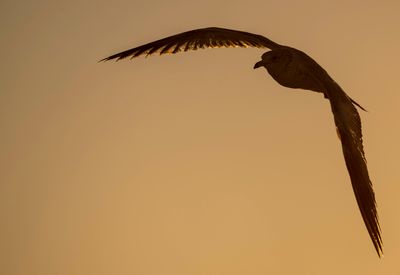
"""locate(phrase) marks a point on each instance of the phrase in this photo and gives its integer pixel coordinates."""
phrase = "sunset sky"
(194, 163)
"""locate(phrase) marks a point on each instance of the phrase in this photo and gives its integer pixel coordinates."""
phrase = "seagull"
(291, 68)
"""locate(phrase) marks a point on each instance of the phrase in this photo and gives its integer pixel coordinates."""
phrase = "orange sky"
(193, 163)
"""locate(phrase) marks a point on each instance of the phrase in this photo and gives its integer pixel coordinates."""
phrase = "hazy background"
(193, 163)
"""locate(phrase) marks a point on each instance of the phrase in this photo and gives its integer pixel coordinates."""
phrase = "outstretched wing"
(348, 125)
(201, 38)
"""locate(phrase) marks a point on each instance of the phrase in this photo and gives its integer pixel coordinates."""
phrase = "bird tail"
(358, 105)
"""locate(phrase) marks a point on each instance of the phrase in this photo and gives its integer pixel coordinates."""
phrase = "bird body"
(286, 66)
(291, 68)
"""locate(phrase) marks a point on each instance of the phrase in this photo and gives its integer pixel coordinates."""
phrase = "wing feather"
(348, 124)
(197, 39)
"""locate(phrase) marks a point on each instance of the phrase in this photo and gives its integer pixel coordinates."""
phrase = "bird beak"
(258, 64)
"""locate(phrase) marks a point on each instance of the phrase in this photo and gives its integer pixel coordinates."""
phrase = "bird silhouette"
(294, 69)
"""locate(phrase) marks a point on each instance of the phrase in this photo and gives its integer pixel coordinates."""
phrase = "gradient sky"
(193, 163)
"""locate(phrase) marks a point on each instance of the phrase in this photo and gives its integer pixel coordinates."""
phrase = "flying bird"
(291, 68)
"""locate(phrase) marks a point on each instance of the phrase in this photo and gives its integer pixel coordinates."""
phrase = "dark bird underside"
(295, 69)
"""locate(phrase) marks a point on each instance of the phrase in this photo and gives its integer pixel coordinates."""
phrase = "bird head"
(273, 58)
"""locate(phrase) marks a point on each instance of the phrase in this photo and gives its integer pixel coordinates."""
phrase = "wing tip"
(109, 58)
